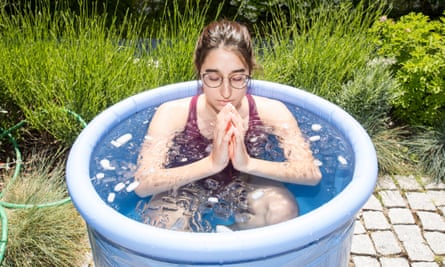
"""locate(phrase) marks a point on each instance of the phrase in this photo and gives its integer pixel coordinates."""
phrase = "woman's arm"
(300, 166)
(169, 119)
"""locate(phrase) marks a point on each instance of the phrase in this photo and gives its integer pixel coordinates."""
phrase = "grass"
(318, 49)
(428, 146)
(50, 236)
(53, 62)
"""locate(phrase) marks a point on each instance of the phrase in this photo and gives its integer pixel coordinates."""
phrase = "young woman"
(213, 142)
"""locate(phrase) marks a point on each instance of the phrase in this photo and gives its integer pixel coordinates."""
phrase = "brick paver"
(401, 225)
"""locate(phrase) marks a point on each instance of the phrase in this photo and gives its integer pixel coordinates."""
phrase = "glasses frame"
(247, 79)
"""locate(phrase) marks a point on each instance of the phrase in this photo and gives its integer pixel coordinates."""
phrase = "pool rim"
(239, 246)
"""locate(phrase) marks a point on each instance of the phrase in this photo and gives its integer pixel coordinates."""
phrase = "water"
(114, 162)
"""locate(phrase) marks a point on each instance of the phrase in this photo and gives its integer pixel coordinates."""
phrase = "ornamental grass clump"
(46, 235)
(428, 147)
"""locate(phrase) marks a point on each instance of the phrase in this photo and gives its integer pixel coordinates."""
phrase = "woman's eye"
(237, 78)
(214, 78)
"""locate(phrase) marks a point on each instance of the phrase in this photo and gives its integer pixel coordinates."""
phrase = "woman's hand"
(237, 149)
(222, 135)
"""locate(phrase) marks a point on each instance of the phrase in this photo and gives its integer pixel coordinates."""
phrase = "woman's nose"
(226, 89)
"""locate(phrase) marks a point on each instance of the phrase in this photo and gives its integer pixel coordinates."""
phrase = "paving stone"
(375, 220)
(408, 183)
(431, 221)
(394, 262)
(442, 210)
(420, 201)
(436, 240)
(430, 183)
(386, 243)
(424, 264)
(362, 245)
(437, 196)
(386, 183)
(365, 261)
(400, 216)
(359, 228)
(372, 204)
(392, 199)
(413, 242)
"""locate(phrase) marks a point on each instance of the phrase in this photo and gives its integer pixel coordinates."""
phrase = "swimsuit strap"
(192, 120)
(254, 118)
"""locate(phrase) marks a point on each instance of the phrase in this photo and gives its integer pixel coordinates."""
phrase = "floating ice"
(100, 175)
(253, 139)
(131, 187)
(122, 140)
(314, 138)
(212, 200)
(342, 160)
(105, 163)
(318, 163)
(119, 187)
(257, 194)
(316, 127)
(111, 197)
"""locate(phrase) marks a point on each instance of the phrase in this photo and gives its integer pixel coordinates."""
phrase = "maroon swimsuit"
(190, 145)
(196, 199)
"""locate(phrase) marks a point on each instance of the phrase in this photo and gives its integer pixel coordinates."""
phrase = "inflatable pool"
(320, 237)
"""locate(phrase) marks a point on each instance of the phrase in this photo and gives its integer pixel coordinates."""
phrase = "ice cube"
(342, 160)
(119, 187)
(122, 140)
(111, 197)
(106, 165)
(314, 138)
(316, 127)
(131, 187)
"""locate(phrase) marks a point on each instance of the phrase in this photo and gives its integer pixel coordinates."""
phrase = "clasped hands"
(228, 141)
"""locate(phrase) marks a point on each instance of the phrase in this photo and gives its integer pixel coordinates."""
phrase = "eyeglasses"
(215, 79)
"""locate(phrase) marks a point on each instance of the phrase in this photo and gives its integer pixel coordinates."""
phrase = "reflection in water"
(209, 203)
(198, 206)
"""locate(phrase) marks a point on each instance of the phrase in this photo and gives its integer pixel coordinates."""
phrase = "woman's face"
(224, 78)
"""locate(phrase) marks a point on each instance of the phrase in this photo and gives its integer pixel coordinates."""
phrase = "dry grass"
(48, 235)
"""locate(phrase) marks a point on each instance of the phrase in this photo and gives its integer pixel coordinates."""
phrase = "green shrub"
(418, 47)
(367, 97)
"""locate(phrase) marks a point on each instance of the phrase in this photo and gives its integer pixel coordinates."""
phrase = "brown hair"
(228, 34)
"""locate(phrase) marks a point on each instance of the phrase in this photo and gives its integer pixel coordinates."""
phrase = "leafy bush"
(367, 97)
(418, 47)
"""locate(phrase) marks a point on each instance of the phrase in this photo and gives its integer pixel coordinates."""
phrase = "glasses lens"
(239, 81)
(212, 79)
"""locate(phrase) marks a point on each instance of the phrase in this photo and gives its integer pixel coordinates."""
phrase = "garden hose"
(4, 204)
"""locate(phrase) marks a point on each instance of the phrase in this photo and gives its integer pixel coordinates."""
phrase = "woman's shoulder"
(265, 103)
(269, 108)
(177, 105)
(171, 116)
